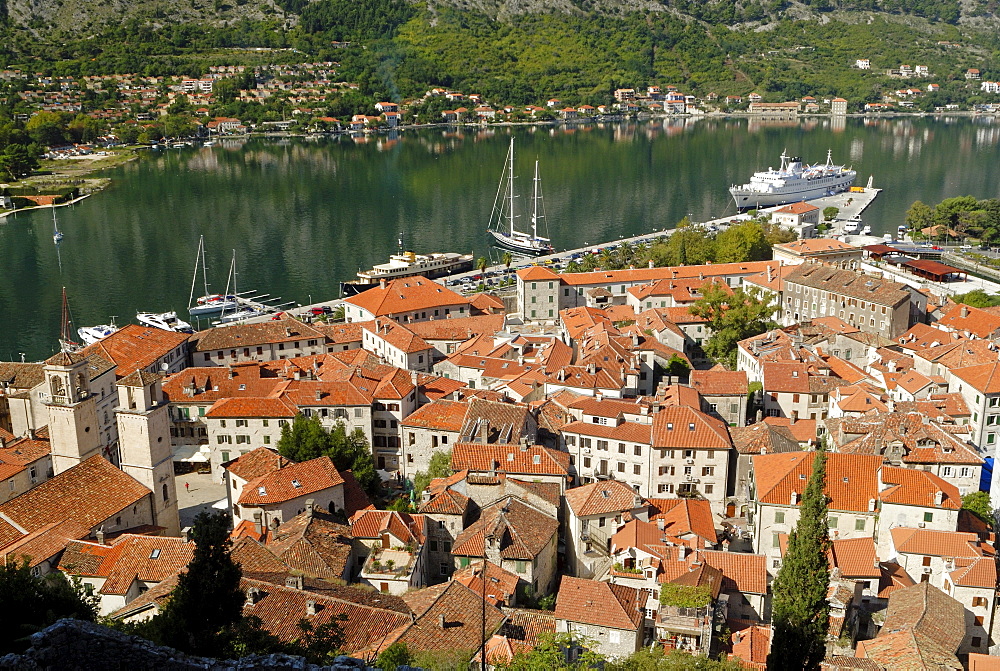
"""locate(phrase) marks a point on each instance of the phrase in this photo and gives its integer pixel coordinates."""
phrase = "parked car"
(320, 310)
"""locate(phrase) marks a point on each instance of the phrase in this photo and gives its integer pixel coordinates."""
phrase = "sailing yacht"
(57, 235)
(207, 304)
(240, 311)
(502, 228)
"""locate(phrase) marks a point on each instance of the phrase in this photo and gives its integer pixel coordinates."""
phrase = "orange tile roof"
(43, 543)
(808, 246)
(630, 431)
(291, 482)
(681, 427)
(130, 557)
(88, 493)
(600, 603)
(536, 274)
(741, 572)
(500, 585)
(511, 459)
(984, 378)
(522, 531)
(256, 463)
(751, 647)
(936, 543)
(851, 479)
(406, 295)
(404, 526)
(911, 487)
(251, 335)
(458, 328)
(979, 572)
(719, 382)
(396, 335)
(439, 415)
(313, 544)
(136, 347)
(252, 407)
(637, 275)
(682, 517)
(462, 613)
(786, 376)
(855, 557)
(967, 319)
(602, 498)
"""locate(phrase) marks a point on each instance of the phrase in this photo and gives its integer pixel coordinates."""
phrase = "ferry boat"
(408, 264)
(502, 227)
(793, 182)
(168, 321)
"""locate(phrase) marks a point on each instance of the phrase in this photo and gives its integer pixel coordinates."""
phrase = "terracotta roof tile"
(719, 382)
(602, 498)
(851, 479)
(405, 527)
(313, 544)
(44, 543)
(458, 328)
(256, 463)
(500, 586)
(251, 335)
(848, 283)
(130, 557)
(461, 609)
(626, 431)
(136, 347)
(741, 572)
(683, 517)
(88, 493)
(913, 487)
(855, 557)
(925, 609)
(439, 415)
(680, 427)
(406, 295)
(252, 407)
(751, 647)
(291, 482)
(600, 603)
(510, 459)
(937, 543)
(522, 531)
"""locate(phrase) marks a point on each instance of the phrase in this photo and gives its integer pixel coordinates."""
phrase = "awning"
(192, 453)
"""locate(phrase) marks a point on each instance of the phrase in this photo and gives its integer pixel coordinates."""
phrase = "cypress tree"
(800, 612)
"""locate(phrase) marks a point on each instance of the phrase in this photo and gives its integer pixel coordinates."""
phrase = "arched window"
(165, 496)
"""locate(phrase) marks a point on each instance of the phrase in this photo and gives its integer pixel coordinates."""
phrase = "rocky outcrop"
(69, 645)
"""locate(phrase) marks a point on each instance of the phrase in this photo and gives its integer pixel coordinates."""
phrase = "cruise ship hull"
(747, 199)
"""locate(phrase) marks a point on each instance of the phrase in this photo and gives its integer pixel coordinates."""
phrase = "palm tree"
(507, 259)
(482, 264)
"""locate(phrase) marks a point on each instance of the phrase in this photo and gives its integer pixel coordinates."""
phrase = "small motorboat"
(168, 321)
(91, 334)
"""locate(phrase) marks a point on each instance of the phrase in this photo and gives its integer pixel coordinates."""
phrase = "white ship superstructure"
(793, 182)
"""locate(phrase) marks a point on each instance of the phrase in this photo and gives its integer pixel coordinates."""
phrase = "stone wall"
(72, 644)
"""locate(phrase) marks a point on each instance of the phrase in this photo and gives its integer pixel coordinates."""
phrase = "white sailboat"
(207, 304)
(237, 313)
(502, 227)
(57, 235)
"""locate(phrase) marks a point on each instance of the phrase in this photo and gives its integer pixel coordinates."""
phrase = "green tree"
(482, 264)
(800, 611)
(47, 128)
(550, 652)
(17, 161)
(978, 503)
(977, 298)
(830, 212)
(677, 366)
(686, 246)
(31, 603)
(742, 242)
(205, 610)
(393, 657)
(657, 659)
(439, 467)
(304, 439)
(733, 317)
(919, 217)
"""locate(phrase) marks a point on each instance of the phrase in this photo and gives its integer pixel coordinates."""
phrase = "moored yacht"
(168, 321)
(91, 334)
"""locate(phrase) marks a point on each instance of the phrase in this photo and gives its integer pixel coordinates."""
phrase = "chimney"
(310, 607)
(793, 499)
(965, 311)
(294, 582)
(598, 396)
(794, 418)
(319, 393)
(230, 374)
(938, 497)
(737, 637)
(288, 332)
(186, 534)
(381, 283)
(441, 622)
(484, 431)
(100, 536)
(651, 265)
(660, 524)
(871, 505)
(770, 274)
(258, 523)
(310, 507)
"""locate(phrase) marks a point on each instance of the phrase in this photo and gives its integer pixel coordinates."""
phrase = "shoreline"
(84, 173)
(8, 213)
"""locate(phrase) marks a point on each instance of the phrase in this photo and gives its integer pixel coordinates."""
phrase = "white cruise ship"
(408, 264)
(793, 182)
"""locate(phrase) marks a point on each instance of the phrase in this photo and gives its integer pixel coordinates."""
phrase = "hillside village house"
(593, 514)
(612, 616)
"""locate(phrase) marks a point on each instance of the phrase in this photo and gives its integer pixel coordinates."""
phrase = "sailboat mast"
(230, 280)
(534, 205)
(194, 276)
(204, 269)
(510, 187)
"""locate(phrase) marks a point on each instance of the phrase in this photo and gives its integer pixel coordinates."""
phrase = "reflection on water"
(304, 213)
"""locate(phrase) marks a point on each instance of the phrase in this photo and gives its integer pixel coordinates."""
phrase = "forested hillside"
(524, 51)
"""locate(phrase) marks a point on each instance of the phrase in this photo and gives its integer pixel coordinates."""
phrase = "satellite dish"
(164, 367)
